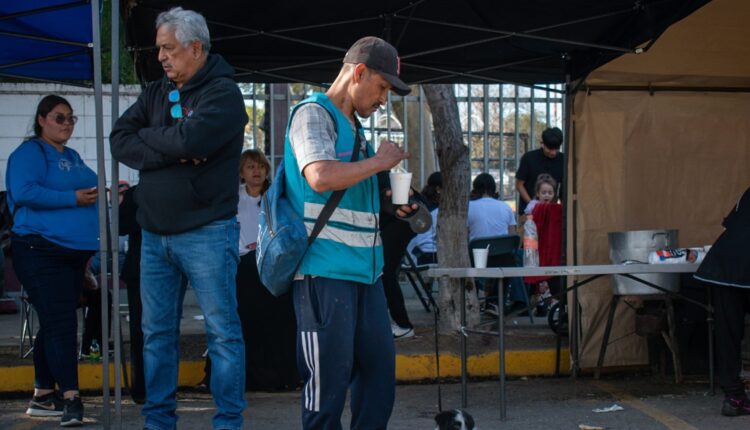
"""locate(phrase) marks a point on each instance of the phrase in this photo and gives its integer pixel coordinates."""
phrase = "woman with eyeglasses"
(52, 198)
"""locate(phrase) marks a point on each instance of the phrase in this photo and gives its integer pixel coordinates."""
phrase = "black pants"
(135, 310)
(396, 236)
(269, 329)
(52, 276)
(730, 306)
(92, 318)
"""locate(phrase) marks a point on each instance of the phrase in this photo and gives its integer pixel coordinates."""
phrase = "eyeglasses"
(61, 119)
(176, 110)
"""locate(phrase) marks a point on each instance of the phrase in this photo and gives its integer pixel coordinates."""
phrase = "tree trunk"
(421, 163)
(453, 249)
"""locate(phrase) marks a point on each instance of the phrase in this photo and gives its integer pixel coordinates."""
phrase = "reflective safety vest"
(349, 246)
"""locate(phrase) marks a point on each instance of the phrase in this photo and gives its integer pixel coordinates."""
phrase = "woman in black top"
(727, 266)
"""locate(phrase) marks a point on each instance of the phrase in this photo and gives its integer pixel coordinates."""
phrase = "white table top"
(605, 269)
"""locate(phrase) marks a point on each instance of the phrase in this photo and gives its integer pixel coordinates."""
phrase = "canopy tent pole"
(102, 201)
(43, 59)
(573, 325)
(524, 35)
(115, 221)
(43, 80)
(477, 77)
(495, 67)
(44, 39)
(281, 78)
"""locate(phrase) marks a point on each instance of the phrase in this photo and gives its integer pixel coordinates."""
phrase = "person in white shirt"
(488, 216)
(268, 323)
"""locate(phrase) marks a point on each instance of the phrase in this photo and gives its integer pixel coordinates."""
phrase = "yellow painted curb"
(21, 378)
(408, 368)
(517, 363)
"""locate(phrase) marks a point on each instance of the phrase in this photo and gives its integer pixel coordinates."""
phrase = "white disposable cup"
(400, 184)
(480, 257)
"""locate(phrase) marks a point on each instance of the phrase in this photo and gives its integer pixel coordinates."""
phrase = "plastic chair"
(413, 273)
(502, 253)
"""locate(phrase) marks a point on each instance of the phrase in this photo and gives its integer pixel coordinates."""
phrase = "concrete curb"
(409, 368)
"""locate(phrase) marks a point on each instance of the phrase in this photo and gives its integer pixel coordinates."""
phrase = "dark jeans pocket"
(313, 302)
(307, 304)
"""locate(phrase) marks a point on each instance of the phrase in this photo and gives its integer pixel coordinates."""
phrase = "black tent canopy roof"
(473, 41)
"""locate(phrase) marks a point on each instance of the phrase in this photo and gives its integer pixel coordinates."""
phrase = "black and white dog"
(454, 420)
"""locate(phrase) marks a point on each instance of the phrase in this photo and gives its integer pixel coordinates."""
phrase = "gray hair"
(188, 26)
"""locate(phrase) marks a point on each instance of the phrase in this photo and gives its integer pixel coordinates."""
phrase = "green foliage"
(127, 70)
(257, 135)
(524, 124)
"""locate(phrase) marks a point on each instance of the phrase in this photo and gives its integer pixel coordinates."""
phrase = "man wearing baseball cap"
(343, 329)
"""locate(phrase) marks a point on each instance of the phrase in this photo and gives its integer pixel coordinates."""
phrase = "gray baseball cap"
(380, 56)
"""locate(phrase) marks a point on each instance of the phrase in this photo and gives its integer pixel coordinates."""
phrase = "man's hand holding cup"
(391, 155)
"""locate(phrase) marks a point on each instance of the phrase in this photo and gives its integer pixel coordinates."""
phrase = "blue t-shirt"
(489, 217)
(46, 195)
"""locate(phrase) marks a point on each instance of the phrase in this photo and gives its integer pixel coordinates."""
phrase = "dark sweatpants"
(730, 306)
(396, 236)
(344, 340)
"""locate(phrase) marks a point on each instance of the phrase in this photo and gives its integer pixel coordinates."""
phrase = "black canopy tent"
(440, 41)
(503, 41)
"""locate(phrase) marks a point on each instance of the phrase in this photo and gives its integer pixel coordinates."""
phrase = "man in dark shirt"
(547, 159)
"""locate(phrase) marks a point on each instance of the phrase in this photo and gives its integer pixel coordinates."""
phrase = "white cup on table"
(480, 257)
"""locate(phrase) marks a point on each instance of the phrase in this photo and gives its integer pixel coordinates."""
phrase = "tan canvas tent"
(658, 140)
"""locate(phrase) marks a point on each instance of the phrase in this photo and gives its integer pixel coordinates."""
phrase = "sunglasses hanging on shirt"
(176, 110)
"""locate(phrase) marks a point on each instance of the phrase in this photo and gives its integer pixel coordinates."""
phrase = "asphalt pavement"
(533, 403)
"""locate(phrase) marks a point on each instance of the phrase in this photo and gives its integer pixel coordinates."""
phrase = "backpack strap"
(336, 197)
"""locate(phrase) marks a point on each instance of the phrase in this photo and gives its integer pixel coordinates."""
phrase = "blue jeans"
(206, 258)
(52, 275)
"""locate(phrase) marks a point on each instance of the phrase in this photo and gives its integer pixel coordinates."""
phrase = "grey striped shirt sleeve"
(312, 135)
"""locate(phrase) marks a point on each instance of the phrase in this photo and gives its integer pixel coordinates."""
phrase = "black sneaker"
(73, 413)
(48, 405)
(735, 406)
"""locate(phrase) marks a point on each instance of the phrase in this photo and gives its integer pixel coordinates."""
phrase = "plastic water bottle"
(676, 256)
(530, 243)
(95, 354)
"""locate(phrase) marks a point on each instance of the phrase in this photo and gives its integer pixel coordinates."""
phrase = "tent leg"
(102, 201)
(115, 202)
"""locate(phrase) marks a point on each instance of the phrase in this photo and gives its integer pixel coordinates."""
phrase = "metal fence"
(499, 123)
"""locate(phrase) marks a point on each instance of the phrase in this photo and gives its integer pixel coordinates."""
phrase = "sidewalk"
(530, 350)
(534, 404)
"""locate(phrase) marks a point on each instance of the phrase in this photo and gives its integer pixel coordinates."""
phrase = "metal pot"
(634, 246)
